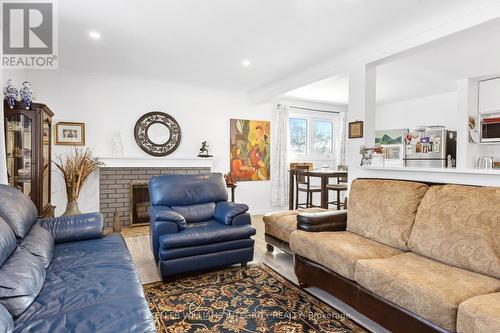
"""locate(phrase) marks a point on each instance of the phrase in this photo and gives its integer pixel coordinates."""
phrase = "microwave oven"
(490, 128)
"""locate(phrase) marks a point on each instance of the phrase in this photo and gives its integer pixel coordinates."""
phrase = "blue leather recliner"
(61, 275)
(194, 227)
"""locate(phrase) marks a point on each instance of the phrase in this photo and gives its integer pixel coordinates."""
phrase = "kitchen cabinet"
(489, 96)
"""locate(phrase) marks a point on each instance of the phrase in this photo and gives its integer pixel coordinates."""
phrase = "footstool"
(280, 225)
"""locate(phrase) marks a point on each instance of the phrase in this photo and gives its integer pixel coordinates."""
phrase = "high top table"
(325, 176)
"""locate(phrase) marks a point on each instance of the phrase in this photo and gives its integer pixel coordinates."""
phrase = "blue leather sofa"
(62, 275)
(194, 227)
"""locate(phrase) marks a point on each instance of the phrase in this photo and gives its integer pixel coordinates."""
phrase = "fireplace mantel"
(153, 162)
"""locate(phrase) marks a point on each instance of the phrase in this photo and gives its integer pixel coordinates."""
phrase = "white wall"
(109, 103)
(438, 109)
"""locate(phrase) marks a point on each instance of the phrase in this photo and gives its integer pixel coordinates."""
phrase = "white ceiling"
(431, 70)
(203, 42)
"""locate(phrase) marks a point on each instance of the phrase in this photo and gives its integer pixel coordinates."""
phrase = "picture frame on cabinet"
(70, 134)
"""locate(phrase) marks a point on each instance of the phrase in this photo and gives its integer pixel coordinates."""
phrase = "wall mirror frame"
(157, 133)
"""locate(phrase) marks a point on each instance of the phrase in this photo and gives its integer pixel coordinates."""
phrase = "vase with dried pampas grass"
(76, 168)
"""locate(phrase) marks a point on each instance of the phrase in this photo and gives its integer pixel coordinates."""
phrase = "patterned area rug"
(247, 299)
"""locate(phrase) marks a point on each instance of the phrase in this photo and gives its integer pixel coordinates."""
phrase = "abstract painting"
(250, 149)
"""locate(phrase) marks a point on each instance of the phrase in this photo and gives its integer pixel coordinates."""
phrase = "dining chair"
(340, 187)
(303, 184)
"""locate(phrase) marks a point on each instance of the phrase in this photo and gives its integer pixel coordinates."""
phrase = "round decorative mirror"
(157, 133)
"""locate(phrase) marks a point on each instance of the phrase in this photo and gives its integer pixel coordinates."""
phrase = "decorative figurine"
(365, 155)
(204, 150)
(117, 149)
(26, 94)
(10, 93)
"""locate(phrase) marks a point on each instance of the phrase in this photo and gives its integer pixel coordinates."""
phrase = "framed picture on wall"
(250, 149)
(70, 134)
(356, 130)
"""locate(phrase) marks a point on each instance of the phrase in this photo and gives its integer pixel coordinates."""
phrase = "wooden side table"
(232, 187)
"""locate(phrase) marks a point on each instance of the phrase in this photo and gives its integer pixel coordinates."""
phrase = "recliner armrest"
(322, 221)
(167, 214)
(226, 211)
(74, 228)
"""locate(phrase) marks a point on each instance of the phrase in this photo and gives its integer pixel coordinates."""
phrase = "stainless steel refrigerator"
(433, 148)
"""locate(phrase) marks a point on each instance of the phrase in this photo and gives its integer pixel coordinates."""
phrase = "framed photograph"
(70, 134)
(356, 130)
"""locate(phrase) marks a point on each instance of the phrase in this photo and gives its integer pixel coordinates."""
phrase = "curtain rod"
(310, 109)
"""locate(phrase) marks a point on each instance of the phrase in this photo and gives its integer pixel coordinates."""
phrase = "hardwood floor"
(281, 262)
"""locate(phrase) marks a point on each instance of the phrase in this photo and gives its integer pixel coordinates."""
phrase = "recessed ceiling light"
(246, 63)
(94, 35)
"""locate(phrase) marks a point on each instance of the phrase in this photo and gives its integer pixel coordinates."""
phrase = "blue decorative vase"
(10, 93)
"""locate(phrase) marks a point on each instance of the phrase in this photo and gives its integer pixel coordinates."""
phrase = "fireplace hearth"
(139, 204)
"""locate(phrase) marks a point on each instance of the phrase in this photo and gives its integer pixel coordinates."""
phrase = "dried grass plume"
(76, 168)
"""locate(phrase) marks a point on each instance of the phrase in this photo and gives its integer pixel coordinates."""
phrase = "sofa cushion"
(7, 241)
(226, 211)
(207, 232)
(123, 314)
(196, 213)
(83, 275)
(428, 288)
(109, 249)
(338, 250)
(183, 190)
(6, 321)
(480, 314)
(17, 210)
(40, 243)
(21, 278)
(384, 210)
(281, 224)
(460, 226)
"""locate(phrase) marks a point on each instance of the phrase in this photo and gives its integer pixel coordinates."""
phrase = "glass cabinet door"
(46, 159)
(20, 162)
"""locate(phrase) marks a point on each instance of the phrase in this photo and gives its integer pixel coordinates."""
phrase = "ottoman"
(280, 225)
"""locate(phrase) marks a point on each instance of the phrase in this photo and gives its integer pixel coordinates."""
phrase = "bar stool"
(303, 181)
(341, 186)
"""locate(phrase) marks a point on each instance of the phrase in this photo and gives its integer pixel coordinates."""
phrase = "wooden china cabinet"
(28, 146)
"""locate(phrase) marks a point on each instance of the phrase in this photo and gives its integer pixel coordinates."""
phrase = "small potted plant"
(76, 168)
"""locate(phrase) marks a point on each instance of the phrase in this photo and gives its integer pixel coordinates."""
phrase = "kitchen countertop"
(438, 170)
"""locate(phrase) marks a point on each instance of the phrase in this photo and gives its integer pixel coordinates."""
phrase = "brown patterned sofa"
(413, 257)
(280, 225)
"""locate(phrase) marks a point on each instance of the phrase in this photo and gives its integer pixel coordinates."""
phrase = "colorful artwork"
(250, 150)
(390, 137)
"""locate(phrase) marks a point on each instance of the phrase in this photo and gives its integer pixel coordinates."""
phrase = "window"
(298, 136)
(322, 137)
(311, 137)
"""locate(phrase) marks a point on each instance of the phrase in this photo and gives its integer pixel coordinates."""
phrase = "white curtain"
(279, 164)
(340, 127)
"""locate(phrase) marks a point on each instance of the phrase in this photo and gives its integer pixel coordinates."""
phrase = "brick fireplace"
(116, 180)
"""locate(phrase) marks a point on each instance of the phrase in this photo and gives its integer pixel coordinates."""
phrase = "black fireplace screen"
(139, 204)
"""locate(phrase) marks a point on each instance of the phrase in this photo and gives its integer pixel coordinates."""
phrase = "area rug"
(246, 299)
